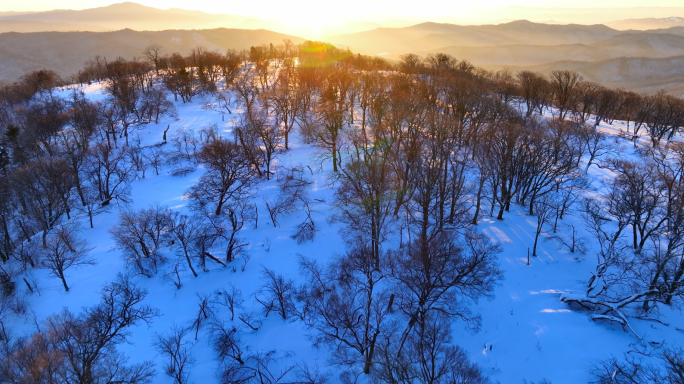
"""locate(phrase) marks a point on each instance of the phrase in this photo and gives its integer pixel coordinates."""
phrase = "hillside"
(639, 74)
(66, 52)
(524, 329)
(621, 46)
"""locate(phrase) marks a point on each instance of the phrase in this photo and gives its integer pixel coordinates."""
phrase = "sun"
(311, 21)
(315, 24)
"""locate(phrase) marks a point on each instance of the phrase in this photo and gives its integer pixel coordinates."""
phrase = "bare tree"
(311, 375)
(506, 140)
(230, 298)
(182, 80)
(42, 189)
(544, 210)
(65, 250)
(228, 226)
(184, 144)
(124, 103)
(175, 349)
(153, 54)
(156, 105)
(440, 275)
(276, 292)
(32, 359)
(546, 159)
(93, 205)
(587, 96)
(365, 196)
(429, 357)
(229, 175)
(203, 313)
(666, 117)
(247, 90)
(249, 141)
(293, 194)
(185, 230)
(140, 235)
(229, 348)
(596, 144)
(270, 138)
(110, 172)
(346, 306)
(156, 157)
(173, 275)
(259, 140)
(608, 105)
(7, 219)
(287, 98)
(81, 348)
(44, 118)
(617, 283)
(564, 86)
(230, 65)
(535, 89)
(136, 158)
(306, 230)
(109, 127)
(637, 191)
(202, 232)
(632, 369)
(238, 366)
(101, 328)
(332, 108)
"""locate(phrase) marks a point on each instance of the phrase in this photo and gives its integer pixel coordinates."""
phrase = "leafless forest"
(425, 148)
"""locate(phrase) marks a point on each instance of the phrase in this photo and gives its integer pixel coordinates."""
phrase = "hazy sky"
(346, 7)
(314, 15)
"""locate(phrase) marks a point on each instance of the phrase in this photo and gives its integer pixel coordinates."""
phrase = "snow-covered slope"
(527, 333)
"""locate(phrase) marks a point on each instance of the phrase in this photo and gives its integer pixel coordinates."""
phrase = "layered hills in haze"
(640, 54)
(646, 60)
(121, 16)
(143, 18)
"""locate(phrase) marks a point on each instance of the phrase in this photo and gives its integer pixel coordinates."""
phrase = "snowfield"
(528, 334)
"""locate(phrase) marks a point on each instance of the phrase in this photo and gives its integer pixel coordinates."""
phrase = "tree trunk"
(334, 158)
(677, 278)
(187, 257)
(61, 276)
(501, 212)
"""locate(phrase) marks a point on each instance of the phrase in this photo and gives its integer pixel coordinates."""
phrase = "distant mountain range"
(126, 15)
(647, 23)
(639, 60)
(567, 13)
(143, 18)
(430, 36)
(641, 54)
(42, 26)
(427, 37)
